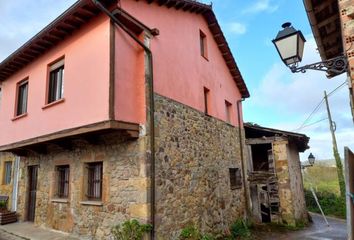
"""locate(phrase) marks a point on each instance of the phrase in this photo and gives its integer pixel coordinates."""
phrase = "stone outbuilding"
(274, 175)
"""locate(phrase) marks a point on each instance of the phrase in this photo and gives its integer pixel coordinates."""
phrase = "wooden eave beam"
(321, 6)
(58, 136)
(328, 20)
(261, 140)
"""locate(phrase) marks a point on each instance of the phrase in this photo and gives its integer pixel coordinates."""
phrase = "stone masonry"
(193, 155)
(124, 196)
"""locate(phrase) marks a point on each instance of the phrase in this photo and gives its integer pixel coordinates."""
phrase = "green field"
(324, 180)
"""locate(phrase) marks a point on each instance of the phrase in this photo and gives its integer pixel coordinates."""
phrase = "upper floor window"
(228, 108)
(203, 45)
(63, 173)
(7, 172)
(22, 98)
(56, 81)
(0, 97)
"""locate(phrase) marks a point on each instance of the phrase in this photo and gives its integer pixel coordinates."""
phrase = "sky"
(279, 98)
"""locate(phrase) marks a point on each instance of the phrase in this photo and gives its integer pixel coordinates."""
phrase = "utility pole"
(339, 165)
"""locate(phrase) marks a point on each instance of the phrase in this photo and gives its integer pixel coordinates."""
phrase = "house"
(126, 109)
(332, 26)
(274, 175)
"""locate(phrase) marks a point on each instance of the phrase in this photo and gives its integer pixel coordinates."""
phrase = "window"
(228, 108)
(56, 81)
(7, 173)
(22, 96)
(206, 101)
(235, 178)
(0, 97)
(63, 173)
(94, 181)
(203, 45)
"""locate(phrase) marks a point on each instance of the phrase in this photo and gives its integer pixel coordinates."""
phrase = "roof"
(324, 19)
(255, 131)
(83, 10)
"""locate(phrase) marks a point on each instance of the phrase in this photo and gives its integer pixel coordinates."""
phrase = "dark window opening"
(261, 154)
(206, 101)
(22, 96)
(94, 181)
(203, 45)
(7, 174)
(228, 109)
(56, 81)
(63, 173)
(235, 178)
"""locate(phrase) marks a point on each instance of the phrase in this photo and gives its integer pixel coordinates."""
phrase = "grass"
(324, 180)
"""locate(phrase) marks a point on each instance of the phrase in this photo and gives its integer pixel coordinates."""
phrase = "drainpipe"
(150, 78)
(239, 103)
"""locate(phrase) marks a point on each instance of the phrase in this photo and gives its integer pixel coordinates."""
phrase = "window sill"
(205, 57)
(236, 188)
(19, 116)
(53, 103)
(60, 200)
(92, 203)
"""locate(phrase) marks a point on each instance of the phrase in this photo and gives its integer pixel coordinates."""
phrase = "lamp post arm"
(335, 65)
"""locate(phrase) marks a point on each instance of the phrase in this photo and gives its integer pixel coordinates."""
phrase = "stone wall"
(125, 187)
(6, 189)
(296, 185)
(194, 154)
(291, 190)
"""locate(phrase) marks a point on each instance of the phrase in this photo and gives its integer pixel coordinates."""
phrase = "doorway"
(32, 191)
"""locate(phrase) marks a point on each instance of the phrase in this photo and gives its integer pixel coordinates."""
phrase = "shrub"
(130, 230)
(331, 203)
(3, 204)
(240, 229)
(192, 233)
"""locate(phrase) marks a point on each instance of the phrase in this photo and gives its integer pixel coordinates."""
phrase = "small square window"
(94, 181)
(56, 81)
(235, 178)
(22, 97)
(63, 174)
(7, 173)
(203, 45)
(228, 109)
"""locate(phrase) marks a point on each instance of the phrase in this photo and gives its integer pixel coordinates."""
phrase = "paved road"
(7, 236)
(318, 230)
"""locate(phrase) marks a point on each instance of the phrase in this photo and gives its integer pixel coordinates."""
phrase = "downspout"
(239, 102)
(150, 78)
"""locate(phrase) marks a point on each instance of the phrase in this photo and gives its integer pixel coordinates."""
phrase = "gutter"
(150, 79)
(239, 102)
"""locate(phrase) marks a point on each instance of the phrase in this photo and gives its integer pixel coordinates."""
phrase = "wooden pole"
(335, 150)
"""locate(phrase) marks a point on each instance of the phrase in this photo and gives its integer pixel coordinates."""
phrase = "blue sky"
(279, 98)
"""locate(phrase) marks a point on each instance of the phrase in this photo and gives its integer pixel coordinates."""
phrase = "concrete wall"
(86, 87)
(194, 154)
(125, 184)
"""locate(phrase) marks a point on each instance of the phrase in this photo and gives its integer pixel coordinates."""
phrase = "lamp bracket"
(336, 65)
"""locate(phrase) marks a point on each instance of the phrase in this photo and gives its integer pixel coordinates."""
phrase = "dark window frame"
(22, 98)
(55, 89)
(203, 44)
(7, 172)
(206, 94)
(94, 181)
(235, 178)
(63, 181)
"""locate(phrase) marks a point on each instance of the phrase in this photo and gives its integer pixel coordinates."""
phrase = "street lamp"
(311, 158)
(290, 43)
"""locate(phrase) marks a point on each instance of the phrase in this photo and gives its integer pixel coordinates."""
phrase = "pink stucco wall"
(86, 87)
(179, 69)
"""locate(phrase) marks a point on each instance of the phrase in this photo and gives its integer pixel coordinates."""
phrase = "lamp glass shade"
(311, 159)
(290, 44)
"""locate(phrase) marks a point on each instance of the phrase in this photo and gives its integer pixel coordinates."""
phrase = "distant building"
(274, 175)
(76, 112)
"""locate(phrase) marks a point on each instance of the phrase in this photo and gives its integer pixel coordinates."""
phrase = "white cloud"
(261, 6)
(294, 96)
(237, 28)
